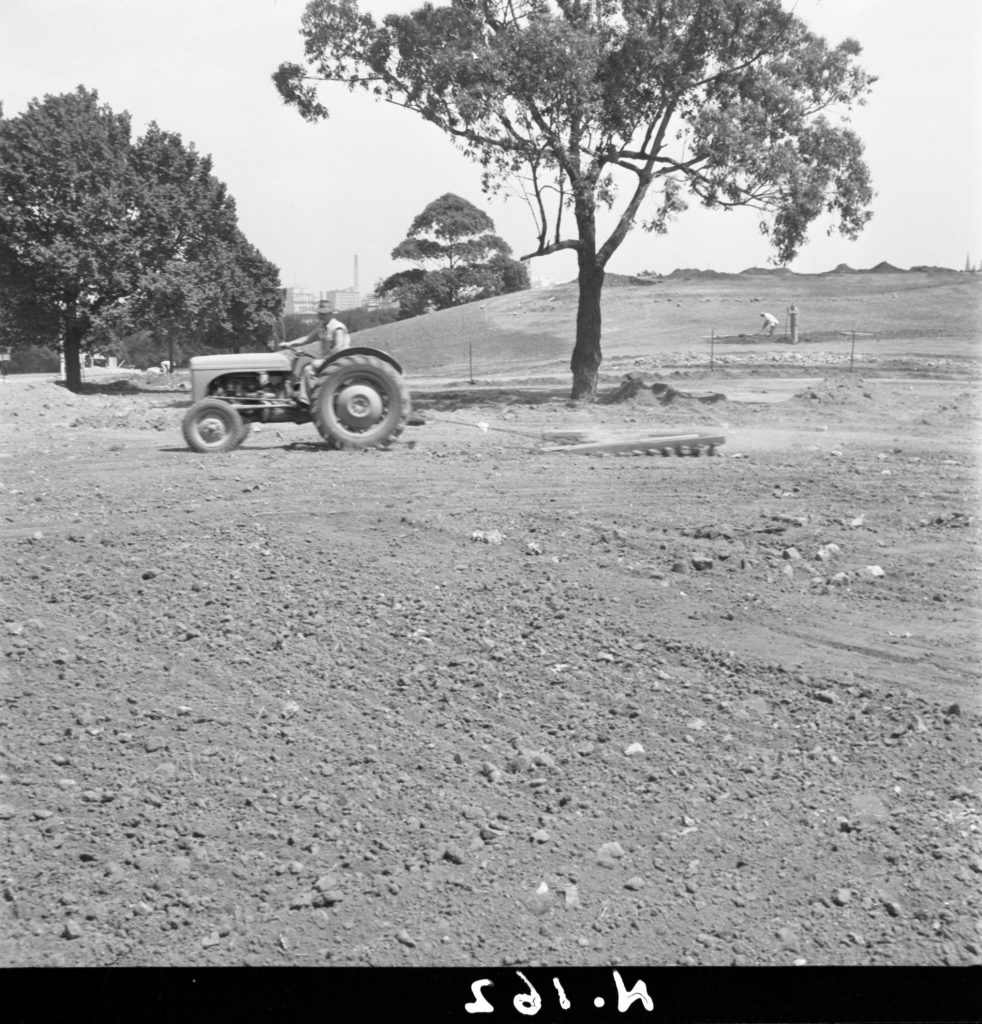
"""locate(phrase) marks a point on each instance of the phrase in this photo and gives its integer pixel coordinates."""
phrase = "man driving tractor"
(327, 337)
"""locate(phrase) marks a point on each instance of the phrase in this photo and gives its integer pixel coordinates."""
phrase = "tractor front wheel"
(212, 425)
(360, 401)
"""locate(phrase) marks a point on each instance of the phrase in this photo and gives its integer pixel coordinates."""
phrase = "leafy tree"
(451, 231)
(582, 101)
(101, 236)
(472, 261)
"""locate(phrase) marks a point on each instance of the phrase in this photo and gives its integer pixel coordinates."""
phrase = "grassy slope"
(910, 313)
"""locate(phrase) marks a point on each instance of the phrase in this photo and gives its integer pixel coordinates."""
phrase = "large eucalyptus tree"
(625, 106)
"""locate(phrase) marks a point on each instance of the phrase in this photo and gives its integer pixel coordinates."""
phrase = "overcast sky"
(312, 197)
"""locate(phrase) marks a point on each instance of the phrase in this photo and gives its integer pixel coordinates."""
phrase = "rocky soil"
(469, 702)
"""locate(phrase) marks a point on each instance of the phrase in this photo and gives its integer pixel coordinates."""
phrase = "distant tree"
(471, 261)
(726, 101)
(101, 237)
(362, 318)
(452, 232)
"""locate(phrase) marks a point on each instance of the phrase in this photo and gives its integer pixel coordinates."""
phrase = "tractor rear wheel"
(212, 425)
(360, 401)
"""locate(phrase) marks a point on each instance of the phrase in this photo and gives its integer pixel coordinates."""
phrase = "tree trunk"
(72, 351)
(586, 359)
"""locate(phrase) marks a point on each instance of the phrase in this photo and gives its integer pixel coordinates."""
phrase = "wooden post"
(793, 323)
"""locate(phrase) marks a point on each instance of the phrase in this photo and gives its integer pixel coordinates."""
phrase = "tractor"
(356, 397)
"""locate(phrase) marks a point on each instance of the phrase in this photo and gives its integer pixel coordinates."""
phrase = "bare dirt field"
(471, 702)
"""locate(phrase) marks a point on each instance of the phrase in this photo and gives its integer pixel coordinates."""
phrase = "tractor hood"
(248, 362)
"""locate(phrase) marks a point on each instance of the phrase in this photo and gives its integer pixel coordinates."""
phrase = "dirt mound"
(686, 273)
(634, 387)
(44, 401)
(113, 404)
(835, 392)
(767, 272)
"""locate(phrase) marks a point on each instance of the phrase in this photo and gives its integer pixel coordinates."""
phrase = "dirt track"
(467, 702)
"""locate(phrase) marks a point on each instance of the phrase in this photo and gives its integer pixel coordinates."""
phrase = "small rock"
(453, 853)
(542, 836)
(72, 929)
(701, 563)
(572, 896)
(609, 853)
(211, 940)
(872, 572)
(634, 750)
(893, 908)
(7, 811)
(328, 898)
(487, 536)
(842, 897)
(405, 938)
(788, 939)
(635, 883)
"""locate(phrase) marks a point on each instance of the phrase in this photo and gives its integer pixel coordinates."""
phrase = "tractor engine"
(258, 386)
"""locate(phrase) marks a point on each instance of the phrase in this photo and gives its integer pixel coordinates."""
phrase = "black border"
(678, 995)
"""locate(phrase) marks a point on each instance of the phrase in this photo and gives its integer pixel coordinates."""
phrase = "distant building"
(303, 302)
(297, 300)
(344, 298)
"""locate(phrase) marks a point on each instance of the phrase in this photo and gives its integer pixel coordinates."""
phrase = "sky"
(314, 198)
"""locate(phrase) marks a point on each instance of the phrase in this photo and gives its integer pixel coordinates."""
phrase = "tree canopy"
(633, 107)
(451, 231)
(472, 261)
(101, 235)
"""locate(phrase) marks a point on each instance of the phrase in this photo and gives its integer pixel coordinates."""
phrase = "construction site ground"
(468, 702)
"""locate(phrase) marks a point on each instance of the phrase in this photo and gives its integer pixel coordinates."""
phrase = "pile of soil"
(634, 387)
(467, 702)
